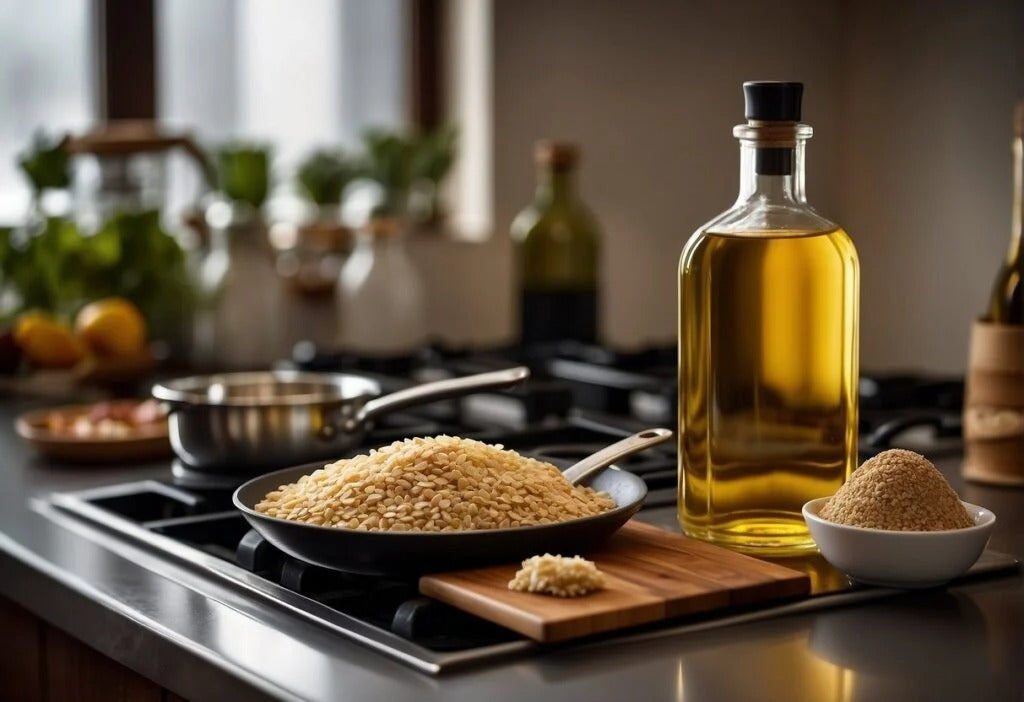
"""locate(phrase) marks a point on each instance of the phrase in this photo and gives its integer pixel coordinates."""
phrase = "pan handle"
(606, 456)
(438, 390)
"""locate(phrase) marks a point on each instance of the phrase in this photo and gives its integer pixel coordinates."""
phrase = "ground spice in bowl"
(897, 490)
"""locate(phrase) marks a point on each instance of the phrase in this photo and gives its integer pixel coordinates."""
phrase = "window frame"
(127, 83)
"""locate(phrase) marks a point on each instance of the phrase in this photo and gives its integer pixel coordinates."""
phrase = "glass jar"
(768, 346)
(238, 324)
(381, 302)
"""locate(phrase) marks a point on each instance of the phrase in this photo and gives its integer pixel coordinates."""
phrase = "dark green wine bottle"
(558, 247)
(1006, 305)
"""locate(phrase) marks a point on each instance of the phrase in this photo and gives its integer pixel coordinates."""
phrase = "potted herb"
(323, 175)
(45, 163)
(243, 173)
(238, 251)
(432, 160)
(388, 162)
(409, 169)
(312, 260)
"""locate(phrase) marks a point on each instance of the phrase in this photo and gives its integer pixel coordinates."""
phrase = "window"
(46, 81)
(293, 75)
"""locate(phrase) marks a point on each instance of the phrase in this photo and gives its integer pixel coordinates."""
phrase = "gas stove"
(638, 388)
(580, 398)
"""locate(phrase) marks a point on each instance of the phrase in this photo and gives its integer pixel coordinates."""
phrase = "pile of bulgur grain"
(443, 483)
(558, 576)
(897, 490)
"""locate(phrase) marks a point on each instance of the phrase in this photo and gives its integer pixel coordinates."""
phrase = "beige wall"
(911, 106)
(651, 91)
(926, 116)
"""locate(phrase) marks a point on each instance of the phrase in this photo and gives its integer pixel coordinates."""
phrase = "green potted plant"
(46, 165)
(320, 244)
(323, 175)
(409, 169)
(243, 173)
(432, 160)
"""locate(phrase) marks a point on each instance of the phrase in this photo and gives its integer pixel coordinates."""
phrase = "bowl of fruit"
(105, 344)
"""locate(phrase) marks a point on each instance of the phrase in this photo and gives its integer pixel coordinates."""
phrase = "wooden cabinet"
(21, 660)
(41, 663)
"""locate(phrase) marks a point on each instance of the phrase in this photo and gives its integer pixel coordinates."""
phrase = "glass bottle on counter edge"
(381, 297)
(1006, 302)
(768, 346)
(557, 245)
(238, 323)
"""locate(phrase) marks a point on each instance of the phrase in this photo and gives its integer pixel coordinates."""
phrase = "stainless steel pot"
(245, 423)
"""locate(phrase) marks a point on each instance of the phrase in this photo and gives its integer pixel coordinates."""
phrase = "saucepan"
(406, 553)
(247, 423)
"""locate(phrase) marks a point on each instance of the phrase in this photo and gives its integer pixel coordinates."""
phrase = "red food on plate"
(113, 419)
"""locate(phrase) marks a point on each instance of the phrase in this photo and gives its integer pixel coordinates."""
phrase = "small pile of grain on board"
(897, 490)
(443, 483)
(558, 576)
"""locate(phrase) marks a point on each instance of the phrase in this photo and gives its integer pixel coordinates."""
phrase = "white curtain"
(295, 75)
(46, 81)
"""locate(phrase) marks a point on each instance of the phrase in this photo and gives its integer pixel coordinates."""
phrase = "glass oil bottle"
(768, 346)
(558, 247)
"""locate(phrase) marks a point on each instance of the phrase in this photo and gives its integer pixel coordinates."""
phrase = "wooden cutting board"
(651, 574)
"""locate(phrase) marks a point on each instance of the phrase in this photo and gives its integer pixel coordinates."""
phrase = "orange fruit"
(112, 327)
(46, 342)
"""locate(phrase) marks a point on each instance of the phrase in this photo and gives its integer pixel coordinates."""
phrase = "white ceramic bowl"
(905, 559)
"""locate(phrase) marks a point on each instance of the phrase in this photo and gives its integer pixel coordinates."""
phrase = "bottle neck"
(772, 174)
(1017, 228)
(555, 186)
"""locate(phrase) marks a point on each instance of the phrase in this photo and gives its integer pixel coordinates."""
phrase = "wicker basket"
(994, 405)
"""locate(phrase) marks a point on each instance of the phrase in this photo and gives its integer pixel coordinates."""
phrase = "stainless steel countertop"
(205, 641)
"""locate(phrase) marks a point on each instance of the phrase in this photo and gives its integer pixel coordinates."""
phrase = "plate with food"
(427, 505)
(101, 432)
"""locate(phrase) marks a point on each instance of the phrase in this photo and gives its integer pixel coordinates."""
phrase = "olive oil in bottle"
(768, 347)
(1006, 303)
(557, 246)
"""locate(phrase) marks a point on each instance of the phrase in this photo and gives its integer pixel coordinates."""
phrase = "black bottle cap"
(772, 101)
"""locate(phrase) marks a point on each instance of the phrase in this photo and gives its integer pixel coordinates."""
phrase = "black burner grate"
(391, 604)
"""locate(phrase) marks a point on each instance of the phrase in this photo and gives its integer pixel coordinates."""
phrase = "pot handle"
(165, 397)
(620, 449)
(438, 390)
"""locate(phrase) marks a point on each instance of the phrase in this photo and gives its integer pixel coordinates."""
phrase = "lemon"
(46, 342)
(112, 327)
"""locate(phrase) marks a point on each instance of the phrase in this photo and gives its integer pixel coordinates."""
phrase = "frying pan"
(410, 553)
(246, 423)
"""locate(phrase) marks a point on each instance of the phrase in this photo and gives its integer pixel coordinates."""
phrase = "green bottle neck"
(555, 187)
(1014, 254)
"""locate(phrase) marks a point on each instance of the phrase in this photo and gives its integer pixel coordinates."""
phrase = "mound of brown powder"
(897, 490)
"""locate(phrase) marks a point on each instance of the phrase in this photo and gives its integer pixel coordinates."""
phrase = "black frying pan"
(413, 553)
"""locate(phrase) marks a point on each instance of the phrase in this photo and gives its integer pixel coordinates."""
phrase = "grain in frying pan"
(443, 483)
